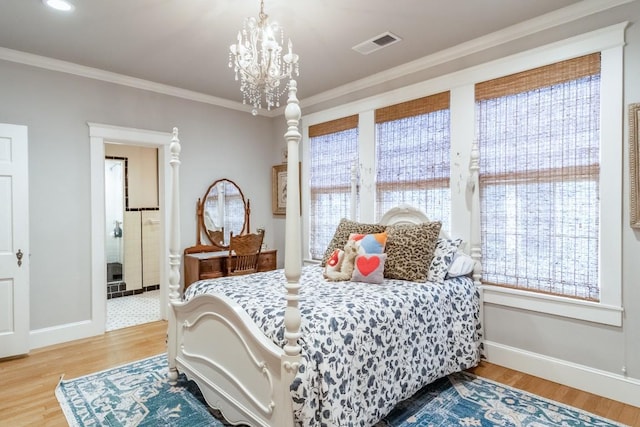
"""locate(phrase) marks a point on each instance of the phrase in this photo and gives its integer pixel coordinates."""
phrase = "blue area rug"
(138, 394)
(463, 399)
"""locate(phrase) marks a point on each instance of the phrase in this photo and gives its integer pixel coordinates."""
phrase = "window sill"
(551, 304)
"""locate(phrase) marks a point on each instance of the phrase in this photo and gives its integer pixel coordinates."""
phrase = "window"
(574, 272)
(334, 150)
(538, 132)
(413, 156)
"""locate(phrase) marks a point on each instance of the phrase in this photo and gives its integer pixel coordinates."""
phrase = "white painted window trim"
(552, 304)
(610, 42)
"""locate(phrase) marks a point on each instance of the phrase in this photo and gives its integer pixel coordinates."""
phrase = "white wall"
(56, 107)
(630, 237)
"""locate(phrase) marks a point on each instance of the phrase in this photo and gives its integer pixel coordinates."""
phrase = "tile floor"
(133, 310)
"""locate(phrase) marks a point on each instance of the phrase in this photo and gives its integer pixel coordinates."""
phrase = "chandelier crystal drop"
(259, 64)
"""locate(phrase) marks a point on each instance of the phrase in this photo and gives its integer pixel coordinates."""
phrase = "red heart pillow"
(369, 268)
(367, 264)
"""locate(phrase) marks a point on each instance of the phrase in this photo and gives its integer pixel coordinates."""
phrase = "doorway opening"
(132, 236)
(102, 136)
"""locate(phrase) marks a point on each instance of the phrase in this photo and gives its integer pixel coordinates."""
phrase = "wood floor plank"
(630, 415)
(627, 414)
(28, 383)
(27, 393)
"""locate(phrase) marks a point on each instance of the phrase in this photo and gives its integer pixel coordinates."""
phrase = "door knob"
(19, 255)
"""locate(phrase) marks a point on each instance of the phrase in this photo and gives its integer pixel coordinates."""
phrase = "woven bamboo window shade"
(334, 150)
(538, 133)
(413, 156)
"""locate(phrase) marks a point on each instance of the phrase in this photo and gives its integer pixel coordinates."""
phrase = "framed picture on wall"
(634, 167)
(279, 189)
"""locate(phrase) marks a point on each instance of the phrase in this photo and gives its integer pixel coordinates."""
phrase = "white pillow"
(461, 265)
(442, 259)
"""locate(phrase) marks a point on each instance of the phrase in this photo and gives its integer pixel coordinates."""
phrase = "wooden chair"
(244, 251)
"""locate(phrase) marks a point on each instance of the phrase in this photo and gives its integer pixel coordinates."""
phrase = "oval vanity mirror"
(223, 210)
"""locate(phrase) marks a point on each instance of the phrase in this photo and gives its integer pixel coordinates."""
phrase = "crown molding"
(598, 40)
(497, 38)
(552, 19)
(120, 79)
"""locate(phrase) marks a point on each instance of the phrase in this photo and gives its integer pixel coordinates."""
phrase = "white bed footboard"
(215, 343)
(237, 368)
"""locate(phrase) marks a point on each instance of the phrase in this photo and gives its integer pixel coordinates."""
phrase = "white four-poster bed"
(255, 379)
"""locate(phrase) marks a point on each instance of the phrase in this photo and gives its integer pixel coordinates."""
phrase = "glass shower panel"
(114, 215)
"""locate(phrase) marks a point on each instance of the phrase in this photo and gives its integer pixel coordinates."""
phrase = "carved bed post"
(174, 254)
(474, 184)
(476, 248)
(354, 191)
(293, 256)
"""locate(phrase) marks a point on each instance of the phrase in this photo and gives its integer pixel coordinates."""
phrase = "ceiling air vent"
(376, 43)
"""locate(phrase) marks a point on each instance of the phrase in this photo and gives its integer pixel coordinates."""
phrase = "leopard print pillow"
(345, 228)
(410, 250)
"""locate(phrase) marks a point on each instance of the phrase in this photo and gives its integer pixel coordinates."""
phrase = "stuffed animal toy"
(345, 270)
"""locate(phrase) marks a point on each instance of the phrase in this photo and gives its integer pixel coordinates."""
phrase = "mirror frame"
(201, 224)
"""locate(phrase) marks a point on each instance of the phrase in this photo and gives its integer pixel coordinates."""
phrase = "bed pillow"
(462, 265)
(370, 243)
(369, 268)
(345, 228)
(442, 259)
(410, 249)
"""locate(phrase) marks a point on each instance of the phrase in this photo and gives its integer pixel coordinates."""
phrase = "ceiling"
(184, 44)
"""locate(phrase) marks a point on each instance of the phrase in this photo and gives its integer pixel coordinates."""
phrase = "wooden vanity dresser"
(208, 265)
(221, 212)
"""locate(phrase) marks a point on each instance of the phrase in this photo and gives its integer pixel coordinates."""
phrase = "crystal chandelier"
(258, 61)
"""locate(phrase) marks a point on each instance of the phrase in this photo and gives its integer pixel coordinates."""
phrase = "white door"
(14, 241)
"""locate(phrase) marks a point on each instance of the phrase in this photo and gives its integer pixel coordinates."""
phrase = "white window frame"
(608, 310)
(610, 42)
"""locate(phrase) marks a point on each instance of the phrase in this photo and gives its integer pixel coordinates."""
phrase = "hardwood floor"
(617, 411)
(27, 384)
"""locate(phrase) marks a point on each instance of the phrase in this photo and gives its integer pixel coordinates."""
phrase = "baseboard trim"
(601, 383)
(44, 337)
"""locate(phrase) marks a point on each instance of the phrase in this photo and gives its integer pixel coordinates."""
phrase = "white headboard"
(406, 214)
